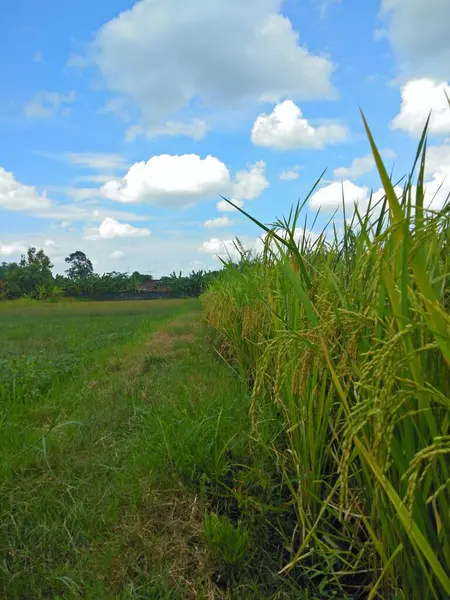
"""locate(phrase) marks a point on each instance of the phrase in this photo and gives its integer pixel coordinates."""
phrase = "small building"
(155, 286)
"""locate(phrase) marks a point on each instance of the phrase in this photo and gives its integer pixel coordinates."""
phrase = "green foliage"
(228, 543)
(348, 336)
(80, 265)
(23, 278)
(32, 278)
(193, 284)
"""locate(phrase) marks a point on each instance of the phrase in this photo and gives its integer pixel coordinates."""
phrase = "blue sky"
(122, 121)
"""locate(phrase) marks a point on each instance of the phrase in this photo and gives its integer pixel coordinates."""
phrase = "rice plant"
(349, 336)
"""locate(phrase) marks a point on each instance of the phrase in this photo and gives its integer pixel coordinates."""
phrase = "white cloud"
(117, 254)
(286, 129)
(438, 160)
(220, 53)
(223, 206)
(195, 129)
(110, 228)
(171, 180)
(419, 96)
(359, 167)
(362, 165)
(418, 32)
(332, 196)
(437, 168)
(218, 222)
(227, 248)
(217, 247)
(101, 161)
(249, 184)
(50, 244)
(13, 248)
(18, 197)
(45, 104)
(290, 174)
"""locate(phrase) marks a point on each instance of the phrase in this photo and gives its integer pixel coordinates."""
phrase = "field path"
(101, 500)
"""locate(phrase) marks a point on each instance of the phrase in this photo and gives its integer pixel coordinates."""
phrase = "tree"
(80, 266)
(24, 278)
(141, 276)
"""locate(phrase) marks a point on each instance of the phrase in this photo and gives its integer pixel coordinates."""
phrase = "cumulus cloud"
(217, 247)
(19, 197)
(250, 183)
(437, 169)
(221, 53)
(418, 32)
(110, 228)
(336, 195)
(333, 196)
(359, 167)
(362, 165)
(171, 180)
(286, 129)
(218, 222)
(223, 206)
(46, 104)
(13, 248)
(438, 160)
(227, 248)
(419, 96)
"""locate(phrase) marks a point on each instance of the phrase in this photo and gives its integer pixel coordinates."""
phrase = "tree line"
(32, 277)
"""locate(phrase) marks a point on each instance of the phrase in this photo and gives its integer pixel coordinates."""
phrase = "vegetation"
(113, 418)
(32, 277)
(193, 284)
(135, 464)
(345, 340)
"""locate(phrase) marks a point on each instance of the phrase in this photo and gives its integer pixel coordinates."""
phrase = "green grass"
(117, 423)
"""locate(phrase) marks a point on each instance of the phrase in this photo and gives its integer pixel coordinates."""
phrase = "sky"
(122, 123)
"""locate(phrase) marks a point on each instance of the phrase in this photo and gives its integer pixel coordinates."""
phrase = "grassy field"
(117, 423)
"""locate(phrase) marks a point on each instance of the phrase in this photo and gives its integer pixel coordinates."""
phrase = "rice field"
(285, 437)
(345, 340)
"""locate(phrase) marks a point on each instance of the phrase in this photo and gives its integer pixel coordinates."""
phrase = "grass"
(346, 338)
(117, 423)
